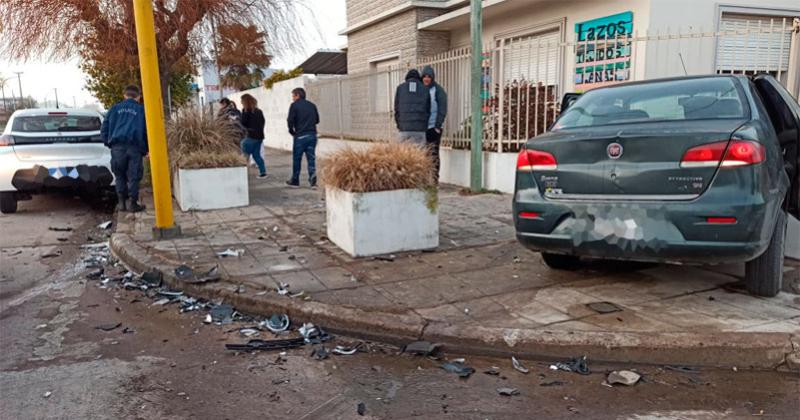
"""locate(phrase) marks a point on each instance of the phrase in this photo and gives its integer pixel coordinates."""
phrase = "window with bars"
(751, 44)
(534, 57)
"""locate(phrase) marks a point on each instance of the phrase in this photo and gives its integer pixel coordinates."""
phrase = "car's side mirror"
(568, 100)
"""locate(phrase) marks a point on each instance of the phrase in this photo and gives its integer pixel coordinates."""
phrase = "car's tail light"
(536, 160)
(6, 140)
(724, 154)
(721, 220)
(529, 215)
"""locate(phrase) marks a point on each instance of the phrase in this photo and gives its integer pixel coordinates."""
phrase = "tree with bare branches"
(103, 30)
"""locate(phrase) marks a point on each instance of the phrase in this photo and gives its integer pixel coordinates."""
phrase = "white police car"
(49, 149)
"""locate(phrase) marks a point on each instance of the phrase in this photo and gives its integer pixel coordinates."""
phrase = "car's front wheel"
(8, 202)
(764, 275)
(561, 262)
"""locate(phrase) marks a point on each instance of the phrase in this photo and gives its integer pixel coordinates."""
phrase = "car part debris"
(552, 383)
(208, 319)
(313, 334)
(492, 371)
(105, 225)
(347, 351)
(95, 274)
(387, 258)
(578, 365)
(222, 314)
(283, 289)
(422, 348)
(230, 253)
(276, 323)
(152, 278)
(248, 332)
(682, 369)
(518, 366)
(361, 409)
(604, 307)
(162, 301)
(108, 327)
(47, 394)
(240, 289)
(458, 368)
(508, 392)
(320, 353)
(263, 345)
(184, 272)
(301, 295)
(624, 377)
(60, 229)
(172, 294)
(55, 254)
(128, 330)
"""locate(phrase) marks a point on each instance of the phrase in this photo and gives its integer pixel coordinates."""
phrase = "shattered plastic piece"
(624, 377)
(47, 394)
(184, 272)
(249, 332)
(320, 353)
(508, 392)
(683, 369)
(208, 319)
(387, 258)
(313, 334)
(152, 278)
(276, 323)
(222, 314)
(170, 293)
(95, 274)
(298, 295)
(346, 351)
(52, 254)
(60, 229)
(108, 327)
(518, 366)
(230, 253)
(209, 276)
(162, 301)
(128, 330)
(493, 371)
(240, 289)
(604, 307)
(460, 369)
(422, 348)
(552, 383)
(261, 345)
(577, 365)
(105, 225)
(283, 289)
(361, 409)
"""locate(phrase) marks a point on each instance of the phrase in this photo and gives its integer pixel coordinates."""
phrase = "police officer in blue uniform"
(124, 132)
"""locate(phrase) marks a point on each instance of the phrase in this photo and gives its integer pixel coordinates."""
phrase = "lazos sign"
(604, 51)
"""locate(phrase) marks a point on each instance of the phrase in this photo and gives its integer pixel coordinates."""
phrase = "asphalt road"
(55, 363)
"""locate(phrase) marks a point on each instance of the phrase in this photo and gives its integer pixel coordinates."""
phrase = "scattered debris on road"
(105, 225)
(518, 366)
(222, 314)
(422, 348)
(184, 272)
(624, 377)
(459, 368)
(508, 392)
(230, 253)
(578, 365)
(263, 345)
(492, 371)
(108, 327)
(552, 383)
(604, 307)
(47, 394)
(361, 409)
(276, 323)
(55, 254)
(60, 229)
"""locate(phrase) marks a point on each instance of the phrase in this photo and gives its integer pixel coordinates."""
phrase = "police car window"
(55, 123)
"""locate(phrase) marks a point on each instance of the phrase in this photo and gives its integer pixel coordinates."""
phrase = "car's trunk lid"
(629, 161)
(78, 145)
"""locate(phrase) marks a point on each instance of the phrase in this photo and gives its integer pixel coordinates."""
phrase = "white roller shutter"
(532, 57)
(760, 43)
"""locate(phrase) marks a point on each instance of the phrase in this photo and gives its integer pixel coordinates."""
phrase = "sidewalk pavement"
(479, 292)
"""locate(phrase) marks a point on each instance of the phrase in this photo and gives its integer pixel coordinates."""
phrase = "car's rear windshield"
(673, 100)
(55, 123)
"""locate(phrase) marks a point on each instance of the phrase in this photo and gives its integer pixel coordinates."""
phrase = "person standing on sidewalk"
(253, 123)
(433, 136)
(125, 133)
(228, 110)
(303, 119)
(412, 108)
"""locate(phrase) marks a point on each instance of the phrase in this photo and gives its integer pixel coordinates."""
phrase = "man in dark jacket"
(303, 120)
(125, 133)
(412, 107)
(438, 114)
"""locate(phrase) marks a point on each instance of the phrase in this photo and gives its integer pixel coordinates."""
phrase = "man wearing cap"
(436, 119)
(124, 132)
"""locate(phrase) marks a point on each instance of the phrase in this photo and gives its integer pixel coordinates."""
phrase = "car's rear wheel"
(561, 262)
(764, 275)
(8, 202)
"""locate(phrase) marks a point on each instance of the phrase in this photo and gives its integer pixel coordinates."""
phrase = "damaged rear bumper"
(80, 177)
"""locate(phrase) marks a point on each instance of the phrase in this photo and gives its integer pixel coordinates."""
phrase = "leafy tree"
(282, 75)
(242, 55)
(104, 33)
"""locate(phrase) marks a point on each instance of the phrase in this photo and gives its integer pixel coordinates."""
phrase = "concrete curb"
(742, 350)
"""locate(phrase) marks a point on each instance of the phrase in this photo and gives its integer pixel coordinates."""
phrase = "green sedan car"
(691, 170)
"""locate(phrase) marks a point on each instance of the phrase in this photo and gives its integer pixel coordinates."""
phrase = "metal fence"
(525, 77)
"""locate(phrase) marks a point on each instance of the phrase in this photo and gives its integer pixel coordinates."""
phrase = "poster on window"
(603, 53)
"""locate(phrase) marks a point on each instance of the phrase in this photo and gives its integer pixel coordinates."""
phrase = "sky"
(40, 78)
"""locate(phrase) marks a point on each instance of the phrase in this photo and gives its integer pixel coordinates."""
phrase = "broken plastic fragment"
(276, 323)
(60, 229)
(458, 368)
(518, 366)
(108, 327)
(624, 377)
(254, 345)
(346, 351)
(320, 353)
(508, 392)
(152, 278)
(105, 225)
(162, 301)
(248, 332)
(208, 319)
(222, 314)
(493, 371)
(230, 253)
(361, 409)
(577, 365)
(422, 348)
(184, 272)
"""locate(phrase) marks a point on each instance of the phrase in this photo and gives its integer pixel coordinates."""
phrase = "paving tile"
(779, 327)
(379, 272)
(532, 309)
(688, 319)
(261, 282)
(242, 267)
(503, 319)
(428, 292)
(629, 321)
(335, 278)
(734, 317)
(365, 297)
(572, 326)
(479, 308)
(299, 281)
(231, 215)
(279, 263)
(778, 308)
(443, 313)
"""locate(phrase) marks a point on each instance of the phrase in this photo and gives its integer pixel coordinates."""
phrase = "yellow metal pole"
(154, 113)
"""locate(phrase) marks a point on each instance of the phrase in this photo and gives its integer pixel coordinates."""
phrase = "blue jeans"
(252, 147)
(307, 145)
(128, 169)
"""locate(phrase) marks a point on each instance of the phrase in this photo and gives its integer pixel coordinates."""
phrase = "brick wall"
(361, 10)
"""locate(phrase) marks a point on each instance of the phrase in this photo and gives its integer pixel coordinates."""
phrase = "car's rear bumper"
(34, 176)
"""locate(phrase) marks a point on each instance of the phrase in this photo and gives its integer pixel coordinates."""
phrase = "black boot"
(122, 203)
(135, 207)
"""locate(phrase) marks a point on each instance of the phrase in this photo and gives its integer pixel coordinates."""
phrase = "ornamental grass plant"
(382, 167)
(198, 141)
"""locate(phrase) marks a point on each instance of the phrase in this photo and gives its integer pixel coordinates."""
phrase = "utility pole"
(154, 114)
(56, 89)
(19, 80)
(476, 75)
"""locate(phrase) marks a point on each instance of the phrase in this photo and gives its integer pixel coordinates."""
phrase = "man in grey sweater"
(433, 135)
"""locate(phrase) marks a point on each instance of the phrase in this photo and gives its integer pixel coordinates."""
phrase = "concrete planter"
(211, 189)
(375, 223)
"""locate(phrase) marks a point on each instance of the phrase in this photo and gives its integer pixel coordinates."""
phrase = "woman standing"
(253, 123)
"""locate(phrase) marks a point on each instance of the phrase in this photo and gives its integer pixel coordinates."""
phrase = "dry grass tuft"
(382, 167)
(197, 141)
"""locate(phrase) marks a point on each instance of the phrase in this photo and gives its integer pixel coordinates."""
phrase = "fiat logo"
(614, 150)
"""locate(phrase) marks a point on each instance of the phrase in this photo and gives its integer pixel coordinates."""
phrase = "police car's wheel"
(8, 203)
